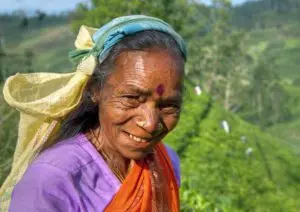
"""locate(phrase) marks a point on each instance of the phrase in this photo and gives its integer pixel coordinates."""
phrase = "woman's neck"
(117, 163)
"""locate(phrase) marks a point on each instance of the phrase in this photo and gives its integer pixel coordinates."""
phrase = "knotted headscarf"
(44, 99)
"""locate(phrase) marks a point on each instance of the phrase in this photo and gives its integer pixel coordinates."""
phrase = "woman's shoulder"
(175, 162)
(47, 183)
(68, 155)
(173, 156)
(61, 175)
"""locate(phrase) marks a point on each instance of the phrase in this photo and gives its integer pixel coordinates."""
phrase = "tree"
(218, 60)
(265, 97)
(102, 11)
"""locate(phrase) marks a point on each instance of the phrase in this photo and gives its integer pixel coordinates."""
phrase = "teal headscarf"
(114, 31)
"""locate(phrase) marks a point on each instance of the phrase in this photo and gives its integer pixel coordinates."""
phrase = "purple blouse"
(71, 176)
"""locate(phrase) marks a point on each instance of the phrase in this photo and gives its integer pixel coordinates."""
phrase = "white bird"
(225, 126)
(198, 90)
(249, 151)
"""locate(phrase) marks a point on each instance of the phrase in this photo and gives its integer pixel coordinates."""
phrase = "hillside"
(289, 132)
(266, 13)
(282, 44)
(243, 170)
(273, 24)
(49, 42)
(273, 27)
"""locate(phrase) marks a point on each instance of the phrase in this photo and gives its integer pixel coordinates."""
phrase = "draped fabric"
(136, 192)
(113, 32)
(72, 176)
(42, 99)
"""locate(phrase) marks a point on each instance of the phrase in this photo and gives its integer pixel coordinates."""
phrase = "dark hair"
(85, 115)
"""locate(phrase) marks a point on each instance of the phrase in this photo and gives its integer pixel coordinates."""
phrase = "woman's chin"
(133, 150)
(136, 155)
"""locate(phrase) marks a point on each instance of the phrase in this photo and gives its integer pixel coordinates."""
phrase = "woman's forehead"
(155, 70)
(137, 88)
(140, 58)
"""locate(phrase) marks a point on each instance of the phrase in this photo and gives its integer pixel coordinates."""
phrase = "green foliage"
(187, 126)
(274, 36)
(42, 46)
(14, 34)
(101, 12)
(266, 13)
(265, 97)
(8, 136)
(289, 131)
(239, 77)
(10, 64)
(220, 173)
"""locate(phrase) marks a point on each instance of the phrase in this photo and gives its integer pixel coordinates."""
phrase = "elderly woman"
(99, 131)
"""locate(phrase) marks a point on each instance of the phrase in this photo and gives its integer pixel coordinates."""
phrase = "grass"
(8, 136)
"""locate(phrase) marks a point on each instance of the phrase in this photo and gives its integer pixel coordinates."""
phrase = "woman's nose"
(150, 119)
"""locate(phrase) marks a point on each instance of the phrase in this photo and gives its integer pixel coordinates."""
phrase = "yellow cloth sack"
(43, 99)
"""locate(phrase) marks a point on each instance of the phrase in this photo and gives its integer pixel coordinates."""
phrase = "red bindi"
(160, 89)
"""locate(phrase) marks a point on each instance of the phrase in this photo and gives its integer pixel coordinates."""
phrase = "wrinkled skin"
(145, 86)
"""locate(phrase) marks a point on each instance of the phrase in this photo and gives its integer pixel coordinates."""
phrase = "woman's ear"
(95, 97)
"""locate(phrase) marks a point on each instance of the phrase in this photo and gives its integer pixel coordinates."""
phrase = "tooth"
(137, 138)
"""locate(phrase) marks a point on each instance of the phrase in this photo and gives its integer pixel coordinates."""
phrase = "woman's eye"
(131, 97)
(131, 100)
(171, 109)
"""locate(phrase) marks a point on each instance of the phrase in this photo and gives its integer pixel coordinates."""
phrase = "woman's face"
(143, 92)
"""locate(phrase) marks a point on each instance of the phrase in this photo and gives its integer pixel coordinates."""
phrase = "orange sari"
(137, 193)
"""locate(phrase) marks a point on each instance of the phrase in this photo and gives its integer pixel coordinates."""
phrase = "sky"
(51, 6)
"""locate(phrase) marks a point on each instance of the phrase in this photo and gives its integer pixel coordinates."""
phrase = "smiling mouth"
(139, 139)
